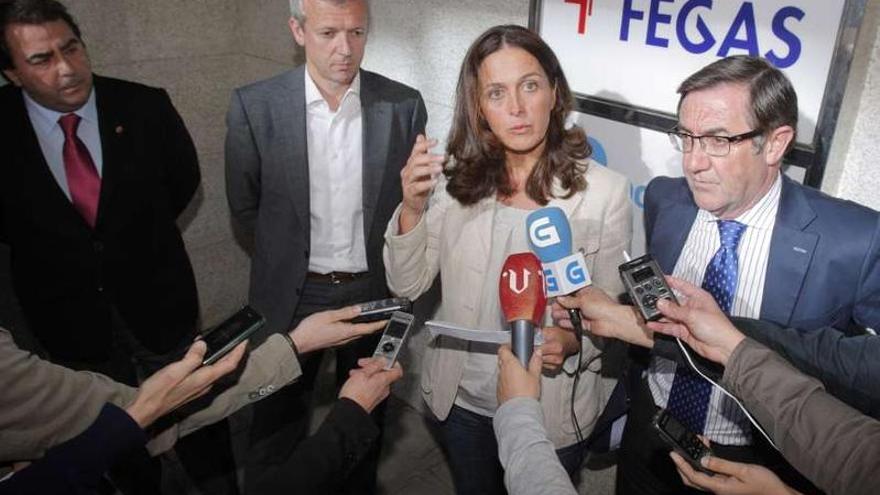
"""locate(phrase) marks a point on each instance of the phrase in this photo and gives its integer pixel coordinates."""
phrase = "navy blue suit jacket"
(824, 267)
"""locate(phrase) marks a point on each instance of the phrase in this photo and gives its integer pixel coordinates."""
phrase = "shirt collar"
(46, 119)
(758, 216)
(314, 96)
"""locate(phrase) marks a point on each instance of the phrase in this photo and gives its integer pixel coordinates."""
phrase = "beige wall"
(852, 170)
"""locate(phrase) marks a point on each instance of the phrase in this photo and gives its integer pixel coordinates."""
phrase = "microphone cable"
(577, 325)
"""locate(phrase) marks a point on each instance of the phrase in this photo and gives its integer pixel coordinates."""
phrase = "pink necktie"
(82, 176)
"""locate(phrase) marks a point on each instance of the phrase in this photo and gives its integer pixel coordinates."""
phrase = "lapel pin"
(800, 250)
(119, 129)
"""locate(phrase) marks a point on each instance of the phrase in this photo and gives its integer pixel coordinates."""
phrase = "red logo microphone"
(521, 289)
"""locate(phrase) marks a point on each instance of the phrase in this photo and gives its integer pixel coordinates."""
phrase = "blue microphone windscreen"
(549, 233)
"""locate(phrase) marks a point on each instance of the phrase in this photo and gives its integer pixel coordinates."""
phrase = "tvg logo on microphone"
(543, 233)
(566, 275)
(575, 273)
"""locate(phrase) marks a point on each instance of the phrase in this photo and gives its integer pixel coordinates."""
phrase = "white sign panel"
(638, 51)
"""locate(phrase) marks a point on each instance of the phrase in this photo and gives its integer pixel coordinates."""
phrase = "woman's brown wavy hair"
(478, 171)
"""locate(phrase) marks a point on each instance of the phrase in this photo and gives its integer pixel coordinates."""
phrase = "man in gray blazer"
(313, 158)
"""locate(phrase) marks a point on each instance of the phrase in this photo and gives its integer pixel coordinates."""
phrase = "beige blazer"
(43, 404)
(452, 239)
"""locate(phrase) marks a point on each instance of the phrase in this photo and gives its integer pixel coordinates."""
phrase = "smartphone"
(394, 337)
(382, 309)
(225, 336)
(684, 442)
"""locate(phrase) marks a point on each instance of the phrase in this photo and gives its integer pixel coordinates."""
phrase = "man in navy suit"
(95, 172)
(795, 256)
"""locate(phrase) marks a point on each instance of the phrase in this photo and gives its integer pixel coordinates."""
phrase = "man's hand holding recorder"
(699, 322)
(369, 385)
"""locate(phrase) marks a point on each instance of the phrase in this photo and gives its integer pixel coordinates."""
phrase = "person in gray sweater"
(528, 457)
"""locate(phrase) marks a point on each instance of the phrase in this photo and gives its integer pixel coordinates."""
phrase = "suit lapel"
(376, 119)
(290, 113)
(791, 252)
(114, 127)
(37, 169)
(671, 230)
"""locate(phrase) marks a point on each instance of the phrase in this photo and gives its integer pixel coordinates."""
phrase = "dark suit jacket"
(68, 277)
(320, 464)
(824, 267)
(848, 366)
(267, 179)
(77, 466)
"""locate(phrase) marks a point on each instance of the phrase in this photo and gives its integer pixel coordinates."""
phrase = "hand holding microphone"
(564, 272)
(603, 316)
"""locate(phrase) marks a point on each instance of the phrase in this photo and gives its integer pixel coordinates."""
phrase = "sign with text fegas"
(637, 52)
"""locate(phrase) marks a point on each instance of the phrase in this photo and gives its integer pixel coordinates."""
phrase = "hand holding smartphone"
(382, 309)
(225, 336)
(684, 442)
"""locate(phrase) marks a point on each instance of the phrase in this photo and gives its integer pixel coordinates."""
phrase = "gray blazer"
(832, 444)
(267, 179)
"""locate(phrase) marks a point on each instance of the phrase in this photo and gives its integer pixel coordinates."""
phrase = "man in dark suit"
(94, 176)
(313, 158)
(765, 246)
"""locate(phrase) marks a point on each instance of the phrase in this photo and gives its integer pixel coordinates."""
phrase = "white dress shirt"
(725, 423)
(335, 147)
(51, 137)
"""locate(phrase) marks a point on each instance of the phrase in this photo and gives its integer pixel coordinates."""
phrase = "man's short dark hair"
(30, 12)
(772, 98)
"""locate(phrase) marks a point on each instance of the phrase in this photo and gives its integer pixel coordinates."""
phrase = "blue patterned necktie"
(689, 397)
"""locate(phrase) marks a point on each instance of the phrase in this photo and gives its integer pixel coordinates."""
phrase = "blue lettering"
(574, 273)
(628, 14)
(744, 18)
(790, 39)
(637, 194)
(654, 18)
(550, 281)
(681, 23)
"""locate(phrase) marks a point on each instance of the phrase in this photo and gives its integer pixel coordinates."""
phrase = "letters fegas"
(741, 34)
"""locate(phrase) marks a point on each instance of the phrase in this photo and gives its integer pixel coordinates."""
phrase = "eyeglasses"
(716, 146)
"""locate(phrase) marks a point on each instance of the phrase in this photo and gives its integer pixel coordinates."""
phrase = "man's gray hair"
(298, 13)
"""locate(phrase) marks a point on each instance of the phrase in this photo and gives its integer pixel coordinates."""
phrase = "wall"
(852, 165)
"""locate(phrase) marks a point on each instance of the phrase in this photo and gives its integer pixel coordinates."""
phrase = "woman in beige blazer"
(510, 153)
